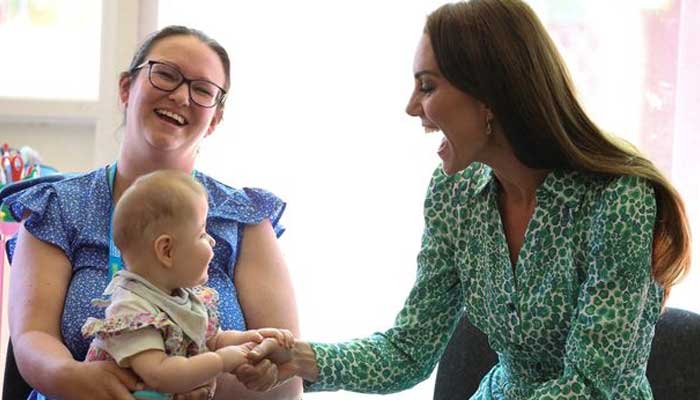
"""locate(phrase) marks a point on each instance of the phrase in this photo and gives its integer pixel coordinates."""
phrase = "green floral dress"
(574, 319)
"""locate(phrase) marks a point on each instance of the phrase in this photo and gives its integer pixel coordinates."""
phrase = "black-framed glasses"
(167, 78)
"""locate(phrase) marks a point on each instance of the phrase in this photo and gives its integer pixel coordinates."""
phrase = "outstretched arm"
(175, 374)
(402, 356)
(231, 338)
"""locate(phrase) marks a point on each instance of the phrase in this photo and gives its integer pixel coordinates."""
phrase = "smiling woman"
(64, 255)
(175, 123)
(443, 107)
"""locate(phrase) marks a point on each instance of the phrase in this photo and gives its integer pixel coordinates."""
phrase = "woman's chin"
(447, 170)
(450, 167)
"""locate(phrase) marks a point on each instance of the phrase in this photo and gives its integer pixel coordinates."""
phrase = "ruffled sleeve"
(131, 326)
(44, 217)
(230, 210)
(266, 206)
(248, 206)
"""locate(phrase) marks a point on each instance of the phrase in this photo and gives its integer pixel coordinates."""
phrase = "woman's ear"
(215, 120)
(163, 247)
(124, 88)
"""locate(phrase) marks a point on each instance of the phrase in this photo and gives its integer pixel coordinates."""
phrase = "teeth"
(430, 129)
(179, 118)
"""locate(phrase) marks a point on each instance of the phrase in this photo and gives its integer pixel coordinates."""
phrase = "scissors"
(13, 165)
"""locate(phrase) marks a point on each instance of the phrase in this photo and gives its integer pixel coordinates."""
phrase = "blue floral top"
(74, 215)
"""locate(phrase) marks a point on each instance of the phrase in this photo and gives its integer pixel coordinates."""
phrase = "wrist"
(229, 358)
(220, 360)
(304, 358)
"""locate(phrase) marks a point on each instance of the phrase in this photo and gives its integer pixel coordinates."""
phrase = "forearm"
(181, 375)
(377, 364)
(44, 362)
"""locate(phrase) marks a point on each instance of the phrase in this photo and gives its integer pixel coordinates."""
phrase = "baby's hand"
(229, 338)
(283, 336)
(235, 356)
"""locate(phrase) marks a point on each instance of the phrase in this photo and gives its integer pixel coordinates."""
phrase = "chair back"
(466, 360)
(14, 386)
(674, 364)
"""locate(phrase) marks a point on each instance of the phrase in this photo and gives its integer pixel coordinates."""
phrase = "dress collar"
(564, 186)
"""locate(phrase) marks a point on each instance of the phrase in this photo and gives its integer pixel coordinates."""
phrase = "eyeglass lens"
(166, 77)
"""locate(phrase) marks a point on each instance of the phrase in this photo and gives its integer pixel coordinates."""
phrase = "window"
(55, 48)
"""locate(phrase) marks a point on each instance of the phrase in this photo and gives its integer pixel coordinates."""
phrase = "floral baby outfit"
(140, 317)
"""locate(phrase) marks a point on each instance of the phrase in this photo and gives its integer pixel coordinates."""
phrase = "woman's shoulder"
(81, 185)
(628, 183)
(602, 188)
(246, 205)
(74, 191)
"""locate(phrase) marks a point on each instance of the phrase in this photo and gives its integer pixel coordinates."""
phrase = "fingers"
(120, 392)
(288, 338)
(127, 377)
(212, 389)
(250, 336)
(283, 336)
(200, 393)
(260, 377)
(233, 356)
(262, 350)
(245, 373)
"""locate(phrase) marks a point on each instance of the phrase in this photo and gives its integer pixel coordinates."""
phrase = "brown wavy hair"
(499, 52)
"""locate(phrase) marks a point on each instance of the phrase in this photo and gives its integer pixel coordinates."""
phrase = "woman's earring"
(489, 131)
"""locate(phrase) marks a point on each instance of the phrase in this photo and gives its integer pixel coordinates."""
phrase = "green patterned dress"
(573, 320)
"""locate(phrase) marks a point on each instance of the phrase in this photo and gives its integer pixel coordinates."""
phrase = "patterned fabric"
(73, 214)
(573, 319)
(119, 335)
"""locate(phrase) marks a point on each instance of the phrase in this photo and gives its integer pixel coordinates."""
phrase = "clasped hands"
(269, 359)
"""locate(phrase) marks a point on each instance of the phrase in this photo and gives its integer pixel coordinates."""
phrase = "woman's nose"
(181, 95)
(413, 106)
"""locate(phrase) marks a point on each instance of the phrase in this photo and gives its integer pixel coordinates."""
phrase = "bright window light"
(54, 48)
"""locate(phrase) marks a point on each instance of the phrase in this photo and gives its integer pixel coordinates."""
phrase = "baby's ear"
(163, 247)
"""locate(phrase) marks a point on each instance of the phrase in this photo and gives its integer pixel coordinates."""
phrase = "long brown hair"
(499, 52)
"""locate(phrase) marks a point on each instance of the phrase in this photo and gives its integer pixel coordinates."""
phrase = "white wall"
(64, 147)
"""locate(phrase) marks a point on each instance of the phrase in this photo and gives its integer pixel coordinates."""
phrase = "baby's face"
(193, 248)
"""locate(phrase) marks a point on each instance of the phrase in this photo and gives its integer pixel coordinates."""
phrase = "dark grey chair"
(673, 370)
(14, 386)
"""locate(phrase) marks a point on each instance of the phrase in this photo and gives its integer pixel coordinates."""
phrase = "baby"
(160, 321)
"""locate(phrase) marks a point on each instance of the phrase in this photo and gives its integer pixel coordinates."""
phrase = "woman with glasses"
(173, 96)
(557, 241)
